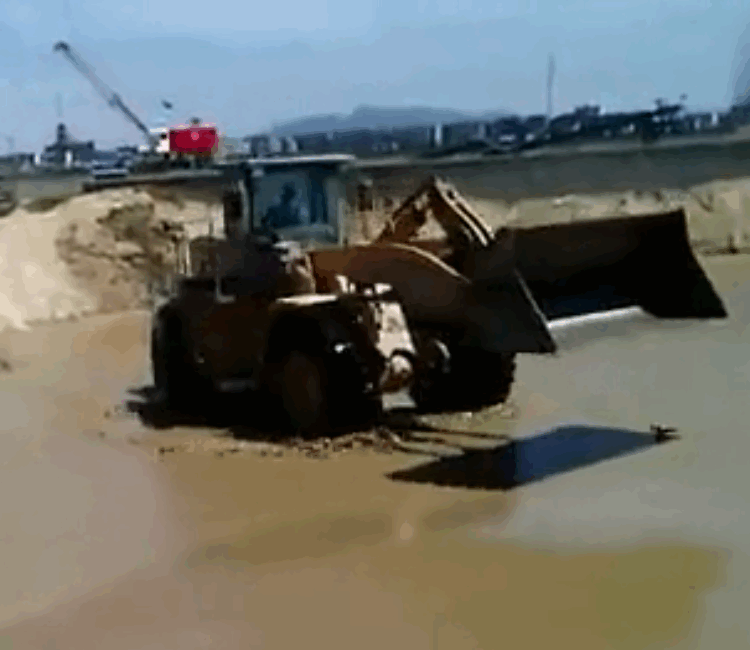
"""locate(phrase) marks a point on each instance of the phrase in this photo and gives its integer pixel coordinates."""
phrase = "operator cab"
(301, 199)
(299, 203)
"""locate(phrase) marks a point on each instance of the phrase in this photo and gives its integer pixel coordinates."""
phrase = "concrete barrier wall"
(31, 188)
(644, 168)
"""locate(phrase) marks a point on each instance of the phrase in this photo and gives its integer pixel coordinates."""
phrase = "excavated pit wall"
(98, 252)
(710, 180)
(718, 213)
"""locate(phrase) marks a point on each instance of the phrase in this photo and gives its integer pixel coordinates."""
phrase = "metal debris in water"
(661, 432)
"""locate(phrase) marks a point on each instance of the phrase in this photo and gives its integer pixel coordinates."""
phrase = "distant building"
(276, 145)
(535, 123)
(586, 121)
(68, 151)
(127, 150)
(701, 121)
(414, 137)
(461, 133)
(258, 145)
(739, 114)
(587, 112)
(507, 130)
(288, 145)
(313, 142)
(361, 142)
(583, 119)
(15, 163)
(386, 144)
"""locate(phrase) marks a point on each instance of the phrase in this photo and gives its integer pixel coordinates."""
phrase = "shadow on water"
(519, 462)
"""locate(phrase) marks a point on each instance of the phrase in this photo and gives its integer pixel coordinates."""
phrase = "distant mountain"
(376, 117)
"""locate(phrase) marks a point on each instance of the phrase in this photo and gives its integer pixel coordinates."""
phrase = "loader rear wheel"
(476, 380)
(175, 378)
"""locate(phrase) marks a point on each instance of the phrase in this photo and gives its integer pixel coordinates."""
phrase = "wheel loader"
(436, 304)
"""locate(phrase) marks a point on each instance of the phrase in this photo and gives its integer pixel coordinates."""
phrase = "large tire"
(302, 389)
(477, 380)
(8, 202)
(175, 377)
(318, 393)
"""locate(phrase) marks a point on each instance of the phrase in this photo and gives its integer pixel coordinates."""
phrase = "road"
(583, 534)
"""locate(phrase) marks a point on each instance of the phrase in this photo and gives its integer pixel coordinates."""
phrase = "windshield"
(294, 205)
(284, 201)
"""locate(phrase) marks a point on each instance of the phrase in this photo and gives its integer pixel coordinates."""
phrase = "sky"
(247, 64)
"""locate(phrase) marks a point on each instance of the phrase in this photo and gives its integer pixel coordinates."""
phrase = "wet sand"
(634, 546)
(78, 510)
(335, 556)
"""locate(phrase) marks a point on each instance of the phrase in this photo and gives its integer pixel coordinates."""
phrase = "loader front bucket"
(580, 268)
(498, 315)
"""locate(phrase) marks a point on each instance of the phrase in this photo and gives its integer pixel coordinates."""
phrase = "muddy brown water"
(111, 544)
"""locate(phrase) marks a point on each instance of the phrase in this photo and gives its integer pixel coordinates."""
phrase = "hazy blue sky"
(244, 64)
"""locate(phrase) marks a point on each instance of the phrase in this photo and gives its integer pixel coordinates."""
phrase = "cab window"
(290, 200)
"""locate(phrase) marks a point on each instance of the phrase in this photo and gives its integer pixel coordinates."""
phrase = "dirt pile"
(118, 242)
(91, 253)
(35, 283)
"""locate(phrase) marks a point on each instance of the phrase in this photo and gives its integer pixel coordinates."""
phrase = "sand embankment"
(98, 252)
(93, 252)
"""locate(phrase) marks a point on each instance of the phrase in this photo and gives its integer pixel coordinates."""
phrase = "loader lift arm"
(485, 296)
(110, 96)
(571, 269)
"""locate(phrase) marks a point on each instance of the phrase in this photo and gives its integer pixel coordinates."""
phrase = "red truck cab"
(194, 140)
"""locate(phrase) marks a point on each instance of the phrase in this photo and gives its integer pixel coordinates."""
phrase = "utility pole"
(550, 85)
(59, 106)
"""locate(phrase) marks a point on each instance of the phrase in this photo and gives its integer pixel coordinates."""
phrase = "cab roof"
(327, 160)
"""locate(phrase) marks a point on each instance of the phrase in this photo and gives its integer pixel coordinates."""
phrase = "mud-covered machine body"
(249, 312)
(437, 303)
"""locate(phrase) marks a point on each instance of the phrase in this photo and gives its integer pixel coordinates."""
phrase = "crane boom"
(111, 97)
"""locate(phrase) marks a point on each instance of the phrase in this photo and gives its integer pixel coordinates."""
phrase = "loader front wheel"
(476, 380)
(303, 392)
(319, 394)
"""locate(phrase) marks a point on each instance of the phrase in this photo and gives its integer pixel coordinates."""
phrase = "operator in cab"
(287, 213)
(259, 263)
